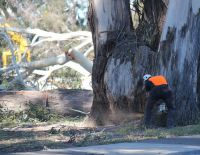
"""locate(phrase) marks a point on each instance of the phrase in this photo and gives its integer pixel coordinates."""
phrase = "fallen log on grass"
(64, 102)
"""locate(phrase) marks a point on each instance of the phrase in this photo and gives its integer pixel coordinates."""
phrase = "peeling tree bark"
(110, 23)
(119, 62)
(150, 28)
(179, 57)
(148, 35)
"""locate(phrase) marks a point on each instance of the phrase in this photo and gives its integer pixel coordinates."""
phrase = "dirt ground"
(41, 136)
(60, 101)
(63, 133)
(32, 136)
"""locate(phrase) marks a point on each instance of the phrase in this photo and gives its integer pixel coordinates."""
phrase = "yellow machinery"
(22, 47)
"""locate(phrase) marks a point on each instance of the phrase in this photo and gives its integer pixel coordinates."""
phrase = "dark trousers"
(156, 94)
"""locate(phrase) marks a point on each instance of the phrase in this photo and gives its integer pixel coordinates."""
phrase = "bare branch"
(40, 72)
(61, 59)
(11, 47)
(17, 81)
(88, 51)
(56, 36)
(88, 41)
(80, 64)
(81, 59)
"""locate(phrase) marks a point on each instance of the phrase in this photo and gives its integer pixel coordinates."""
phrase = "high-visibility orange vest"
(158, 80)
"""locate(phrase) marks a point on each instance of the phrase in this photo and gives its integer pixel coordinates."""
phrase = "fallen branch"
(89, 51)
(81, 59)
(46, 62)
(42, 33)
(79, 111)
(61, 59)
(58, 62)
(83, 44)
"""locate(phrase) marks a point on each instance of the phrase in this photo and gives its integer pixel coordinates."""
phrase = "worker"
(158, 89)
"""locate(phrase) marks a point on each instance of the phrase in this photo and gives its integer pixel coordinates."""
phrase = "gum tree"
(123, 54)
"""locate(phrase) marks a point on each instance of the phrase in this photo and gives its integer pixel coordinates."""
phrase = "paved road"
(173, 146)
(184, 140)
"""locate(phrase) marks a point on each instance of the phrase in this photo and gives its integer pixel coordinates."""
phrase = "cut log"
(64, 102)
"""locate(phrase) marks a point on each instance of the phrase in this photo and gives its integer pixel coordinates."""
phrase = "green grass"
(72, 134)
(34, 115)
(137, 133)
(132, 134)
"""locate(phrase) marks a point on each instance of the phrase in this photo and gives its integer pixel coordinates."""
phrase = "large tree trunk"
(179, 57)
(119, 64)
(110, 22)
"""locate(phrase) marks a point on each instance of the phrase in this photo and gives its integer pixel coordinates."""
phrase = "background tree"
(40, 16)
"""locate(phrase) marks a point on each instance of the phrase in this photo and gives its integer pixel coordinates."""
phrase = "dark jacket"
(148, 85)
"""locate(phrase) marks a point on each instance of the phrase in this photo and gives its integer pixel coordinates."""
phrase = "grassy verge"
(37, 129)
(28, 138)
